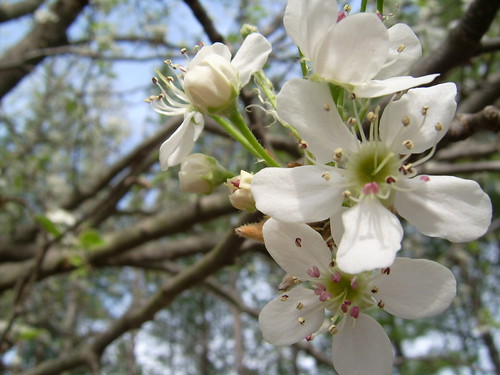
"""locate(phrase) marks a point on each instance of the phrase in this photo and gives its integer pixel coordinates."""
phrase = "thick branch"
(463, 41)
(164, 224)
(220, 256)
(466, 124)
(50, 33)
(206, 22)
(16, 10)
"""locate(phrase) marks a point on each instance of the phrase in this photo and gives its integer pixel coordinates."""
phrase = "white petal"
(181, 142)
(440, 103)
(376, 88)
(415, 288)
(307, 22)
(447, 207)
(361, 347)
(298, 195)
(279, 319)
(302, 104)
(296, 247)
(337, 225)
(354, 51)
(216, 48)
(371, 238)
(251, 56)
(399, 63)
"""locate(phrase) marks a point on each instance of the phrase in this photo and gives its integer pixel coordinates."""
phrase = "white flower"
(372, 176)
(409, 289)
(358, 52)
(241, 195)
(201, 174)
(210, 84)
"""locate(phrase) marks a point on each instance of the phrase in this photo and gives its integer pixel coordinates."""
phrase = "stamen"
(381, 304)
(326, 107)
(425, 108)
(438, 126)
(338, 155)
(405, 121)
(336, 277)
(324, 296)
(301, 321)
(409, 144)
(401, 48)
(374, 289)
(320, 288)
(425, 178)
(284, 297)
(303, 145)
(326, 176)
(314, 272)
(310, 337)
(371, 188)
(299, 306)
(386, 271)
(390, 180)
(298, 242)
(354, 283)
(332, 329)
(354, 312)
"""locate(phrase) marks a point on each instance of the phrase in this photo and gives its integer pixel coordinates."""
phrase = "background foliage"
(106, 267)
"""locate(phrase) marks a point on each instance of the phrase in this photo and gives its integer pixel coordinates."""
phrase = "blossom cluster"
(358, 177)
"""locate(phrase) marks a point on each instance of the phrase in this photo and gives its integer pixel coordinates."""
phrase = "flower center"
(373, 163)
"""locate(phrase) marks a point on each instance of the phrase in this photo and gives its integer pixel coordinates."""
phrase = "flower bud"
(241, 196)
(212, 84)
(201, 174)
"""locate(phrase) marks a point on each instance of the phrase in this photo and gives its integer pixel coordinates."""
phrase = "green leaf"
(91, 238)
(48, 225)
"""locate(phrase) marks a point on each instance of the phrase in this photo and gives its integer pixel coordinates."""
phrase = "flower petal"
(306, 22)
(216, 48)
(298, 195)
(404, 50)
(447, 207)
(282, 323)
(376, 88)
(424, 108)
(415, 288)
(371, 238)
(309, 108)
(251, 56)
(296, 247)
(181, 142)
(354, 51)
(361, 347)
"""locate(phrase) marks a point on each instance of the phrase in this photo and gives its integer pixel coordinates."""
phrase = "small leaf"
(91, 238)
(48, 225)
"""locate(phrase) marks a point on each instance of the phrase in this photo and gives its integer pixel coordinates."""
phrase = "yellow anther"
(326, 107)
(284, 297)
(299, 306)
(326, 176)
(438, 126)
(301, 321)
(425, 108)
(332, 329)
(401, 48)
(409, 144)
(370, 116)
(405, 121)
(338, 155)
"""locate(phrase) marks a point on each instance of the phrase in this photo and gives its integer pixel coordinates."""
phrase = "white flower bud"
(212, 84)
(241, 196)
(201, 174)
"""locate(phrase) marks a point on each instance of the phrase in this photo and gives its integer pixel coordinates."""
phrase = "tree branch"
(206, 22)
(12, 11)
(463, 41)
(43, 34)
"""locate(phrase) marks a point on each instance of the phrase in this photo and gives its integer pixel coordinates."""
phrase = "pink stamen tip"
(314, 272)
(341, 16)
(336, 277)
(320, 288)
(371, 188)
(343, 307)
(236, 184)
(354, 284)
(354, 312)
(324, 296)
(309, 337)
(425, 178)
(347, 302)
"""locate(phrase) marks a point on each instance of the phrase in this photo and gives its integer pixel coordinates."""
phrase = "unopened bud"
(241, 196)
(201, 174)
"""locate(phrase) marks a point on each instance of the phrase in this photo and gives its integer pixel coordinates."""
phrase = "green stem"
(363, 5)
(238, 120)
(267, 87)
(229, 128)
(380, 6)
(303, 65)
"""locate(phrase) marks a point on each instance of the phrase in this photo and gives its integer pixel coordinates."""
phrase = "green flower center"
(374, 162)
